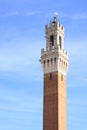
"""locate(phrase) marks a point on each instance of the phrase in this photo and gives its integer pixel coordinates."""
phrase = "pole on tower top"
(55, 17)
(55, 14)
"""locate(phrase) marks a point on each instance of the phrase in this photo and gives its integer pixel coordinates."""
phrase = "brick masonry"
(54, 112)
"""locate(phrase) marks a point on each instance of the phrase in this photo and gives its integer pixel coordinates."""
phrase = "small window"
(60, 42)
(52, 40)
(48, 62)
(61, 77)
(44, 63)
(50, 76)
(51, 62)
(55, 60)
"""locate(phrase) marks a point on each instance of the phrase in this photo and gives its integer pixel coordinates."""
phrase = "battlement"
(54, 60)
(54, 26)
(54, 50)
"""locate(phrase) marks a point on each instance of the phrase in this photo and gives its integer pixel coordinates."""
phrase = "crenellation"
(50, 56)
(55, 64)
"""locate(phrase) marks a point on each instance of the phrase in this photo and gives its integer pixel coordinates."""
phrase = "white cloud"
(80, 16)
(21, 104)
(18, 55)
(20, 61)
(16, 100)
(77, 16)
(77, 49)
(16, 13)
(79, 101)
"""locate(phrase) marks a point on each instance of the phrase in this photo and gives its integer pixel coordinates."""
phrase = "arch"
(55, 59)
(52, 40)
(48, 62)
(51, 62)
(60, 42)
(50, 76)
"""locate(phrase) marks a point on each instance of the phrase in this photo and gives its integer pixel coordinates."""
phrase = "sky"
(22, 35)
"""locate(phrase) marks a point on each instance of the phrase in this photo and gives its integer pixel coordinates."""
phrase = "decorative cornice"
(54, 60)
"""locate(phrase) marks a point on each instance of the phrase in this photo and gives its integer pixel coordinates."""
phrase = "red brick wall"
(54, 113)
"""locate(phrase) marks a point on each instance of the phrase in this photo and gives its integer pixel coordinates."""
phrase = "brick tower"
(55, 65)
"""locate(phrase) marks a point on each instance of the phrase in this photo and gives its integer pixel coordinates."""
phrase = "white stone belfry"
(54, 58)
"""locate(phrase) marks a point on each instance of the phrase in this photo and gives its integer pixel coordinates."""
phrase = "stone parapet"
(54, 60)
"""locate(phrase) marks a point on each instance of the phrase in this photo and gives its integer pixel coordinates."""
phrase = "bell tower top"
(55, 58)
(54, 34)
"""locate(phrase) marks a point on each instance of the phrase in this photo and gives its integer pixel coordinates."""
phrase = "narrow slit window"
(60, 42)
(51, 62)
(55, 59)
(44, 63)
(50, 76)
(52, 40)
(61, 77)
(48, 63)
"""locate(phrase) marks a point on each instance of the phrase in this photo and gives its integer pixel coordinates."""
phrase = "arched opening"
(55, 59)
(51, 62)
(60, 42)
(50, 76)
(52, 40)
(48, 62)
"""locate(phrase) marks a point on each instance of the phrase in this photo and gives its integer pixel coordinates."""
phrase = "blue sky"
(22, 36)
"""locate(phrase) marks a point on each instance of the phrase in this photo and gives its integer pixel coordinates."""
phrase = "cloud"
(14, 99)
(80, 101)
(20, 61)
(32, 105)
(80, 16)
(18, 55)
(77, 16)
(77, 49)
(17, 13)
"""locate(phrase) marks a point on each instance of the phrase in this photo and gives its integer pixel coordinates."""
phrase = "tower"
(55, 63)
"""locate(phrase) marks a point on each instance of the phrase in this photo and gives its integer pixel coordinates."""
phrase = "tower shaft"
(54, 115)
